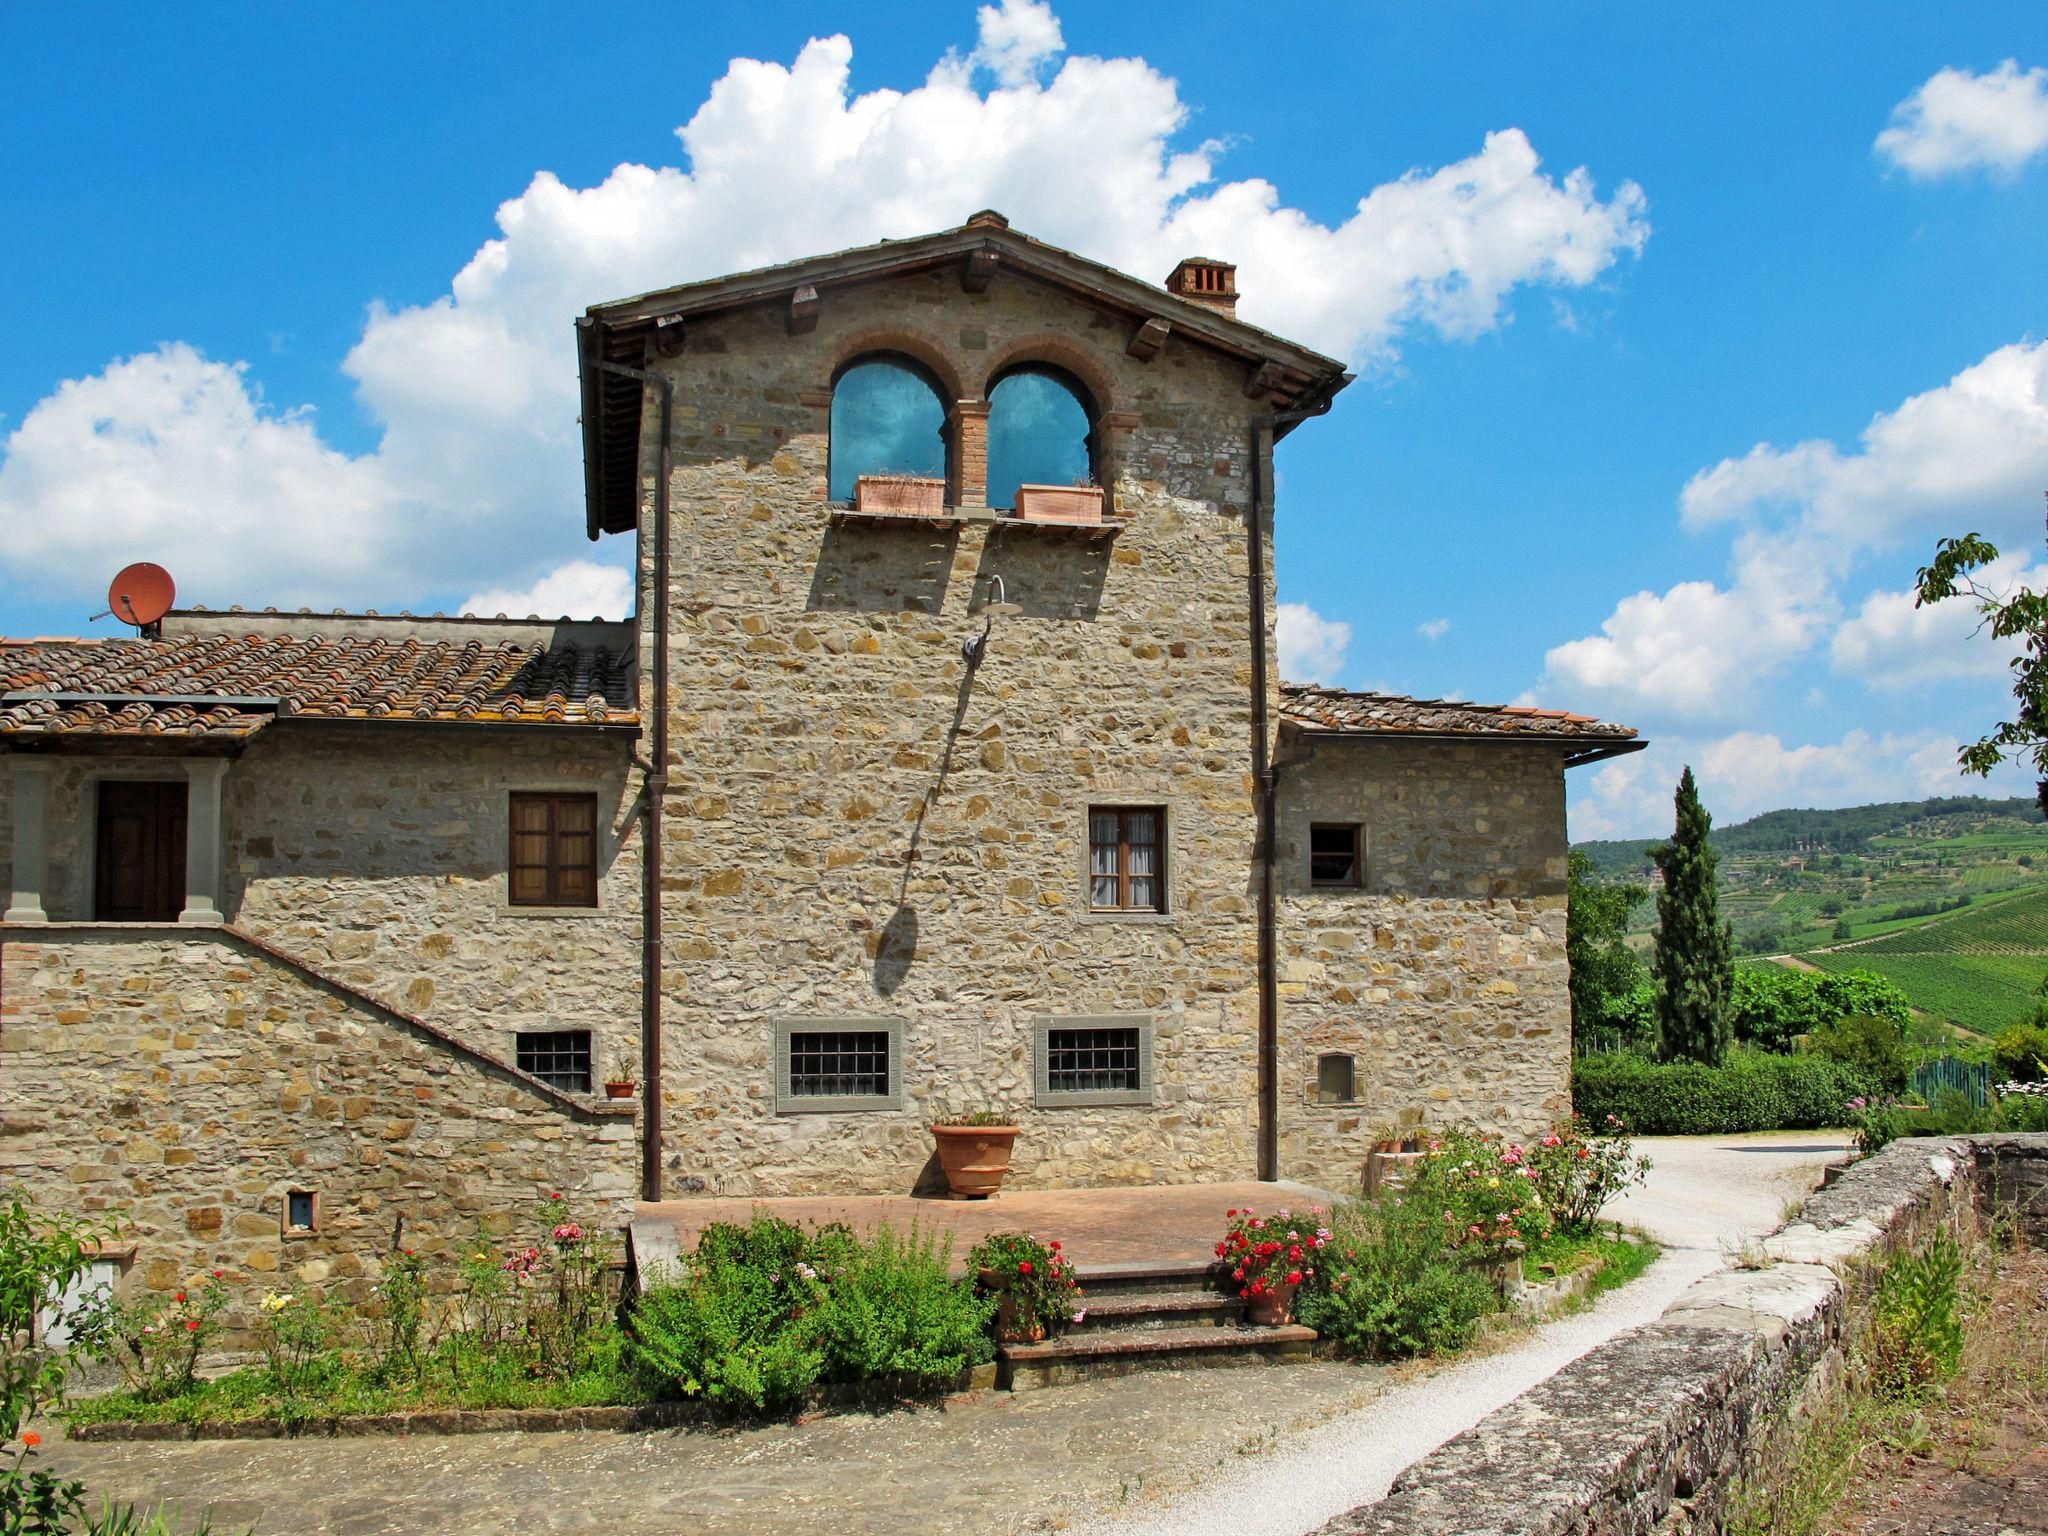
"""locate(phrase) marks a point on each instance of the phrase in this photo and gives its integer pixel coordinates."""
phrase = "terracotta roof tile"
(223, 685)
(1338, 709)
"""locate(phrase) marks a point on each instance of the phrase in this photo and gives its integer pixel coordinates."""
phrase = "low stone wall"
(1649, 1432)
(177, 1083)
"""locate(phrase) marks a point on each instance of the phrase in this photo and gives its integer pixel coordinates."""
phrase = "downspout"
(654, 789)
(1265, 777)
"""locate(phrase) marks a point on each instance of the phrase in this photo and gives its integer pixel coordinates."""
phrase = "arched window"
(888, 418)
(1040, 432)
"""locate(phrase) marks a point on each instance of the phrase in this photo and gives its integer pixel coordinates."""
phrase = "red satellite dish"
(142, 594)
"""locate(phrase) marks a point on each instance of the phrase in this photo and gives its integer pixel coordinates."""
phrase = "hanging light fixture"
(974, 647)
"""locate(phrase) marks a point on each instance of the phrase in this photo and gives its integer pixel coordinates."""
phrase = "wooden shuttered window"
(1127, 859)
(553, 850)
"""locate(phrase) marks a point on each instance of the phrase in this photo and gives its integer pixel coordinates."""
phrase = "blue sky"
(1681, 336)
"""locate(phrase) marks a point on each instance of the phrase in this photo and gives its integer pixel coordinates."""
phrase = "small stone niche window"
(1084, 1061)
(1126, 858)
(1336, 855)
(1336, 1078)
(828, 1065)
(301, 1212)
(553, 849)
(558, 1057)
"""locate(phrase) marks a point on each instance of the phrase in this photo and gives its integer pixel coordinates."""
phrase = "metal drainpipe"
(1265, 778)
(654, 790)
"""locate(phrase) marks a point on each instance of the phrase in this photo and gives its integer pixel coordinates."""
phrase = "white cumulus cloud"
(1745, 773)
(1311, 647)
(1891, 644)
(1971, 454)
(581, 589)
(1958, 121)
(477, 468)
(1433, 630)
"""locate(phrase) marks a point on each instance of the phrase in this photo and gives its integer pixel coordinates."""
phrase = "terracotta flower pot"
(1060, 503)
(1273, 1306)
(1008, 1329)
(900, 493)
(975, 1157)
(619, 1090)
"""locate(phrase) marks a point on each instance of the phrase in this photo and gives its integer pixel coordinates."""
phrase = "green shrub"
(1391, 1290)
(1873, 1047)
(762, 1313)
(2021, 1052)
(892, 1313)
(1772, 1004)
(1753, 1091)
(1916, 1329)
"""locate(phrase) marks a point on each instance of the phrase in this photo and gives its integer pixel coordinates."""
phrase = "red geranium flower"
(181, 1295)
(192, 1325)
(1024, 1267)
(31, 1439)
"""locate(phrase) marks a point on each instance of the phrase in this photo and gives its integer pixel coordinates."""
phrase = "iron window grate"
(559, 1058)
(1093, 1061)
(839, 1063)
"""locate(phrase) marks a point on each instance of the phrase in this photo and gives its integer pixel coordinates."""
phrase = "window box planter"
(1059, 503)
(975, 1158)
(619, 1090)
(913, 495)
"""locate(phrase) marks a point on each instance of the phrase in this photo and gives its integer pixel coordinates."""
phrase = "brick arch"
(919, 349)
(1059, 353)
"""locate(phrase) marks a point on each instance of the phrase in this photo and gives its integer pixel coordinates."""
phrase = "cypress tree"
(1695, 965)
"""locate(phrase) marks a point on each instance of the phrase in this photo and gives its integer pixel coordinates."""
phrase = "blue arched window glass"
(887, 419)
(1038, 434)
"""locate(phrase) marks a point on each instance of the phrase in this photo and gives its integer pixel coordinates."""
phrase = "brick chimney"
(1207, 282)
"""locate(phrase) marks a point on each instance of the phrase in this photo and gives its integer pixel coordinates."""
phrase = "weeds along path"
(1705, 1199)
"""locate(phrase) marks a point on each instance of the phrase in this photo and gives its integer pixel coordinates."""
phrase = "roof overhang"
(1289, 375)
(1577, 750)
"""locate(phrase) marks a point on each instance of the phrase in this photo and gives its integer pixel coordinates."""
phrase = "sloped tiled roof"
(1338, 709)
(232, 685)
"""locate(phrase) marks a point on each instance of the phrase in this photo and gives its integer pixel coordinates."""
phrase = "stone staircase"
(1163, 1316)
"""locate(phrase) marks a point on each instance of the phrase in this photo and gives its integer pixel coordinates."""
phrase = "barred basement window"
(1336, 1078)
(553, 850)
(1126, 859)
(837, 1064)
(560, 1058)
(1094, 1060)
(1336, 855)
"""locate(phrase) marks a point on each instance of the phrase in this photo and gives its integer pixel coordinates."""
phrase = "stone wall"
(181, 1083)
(379, 855)
(1651, 1431)
(1444, 974)
(860, 824)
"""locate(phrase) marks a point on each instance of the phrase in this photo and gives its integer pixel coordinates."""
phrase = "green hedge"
(1753, 1092)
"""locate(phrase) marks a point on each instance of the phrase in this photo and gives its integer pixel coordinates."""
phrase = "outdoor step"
(1160, 1309)
(1119, 1352)
(1153, 1277)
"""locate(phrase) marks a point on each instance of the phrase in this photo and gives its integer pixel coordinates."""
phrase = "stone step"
(1089, 1355)
(1160, 1309)
(1155, 1278)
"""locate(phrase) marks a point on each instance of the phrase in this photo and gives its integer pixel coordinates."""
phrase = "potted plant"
(974, 1151)
(1033, 1283)
(917, 495)
(1270, 1258)
(619, 1082)
(1077, 503)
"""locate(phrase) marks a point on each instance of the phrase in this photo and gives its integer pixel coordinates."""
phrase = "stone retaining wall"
(1649, 1432)
(178, 1083)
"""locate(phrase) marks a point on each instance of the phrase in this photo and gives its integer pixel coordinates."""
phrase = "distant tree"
(1843, 930)
(1832, 907)
(2017, 615)
(1604, 970)
(1695, 964)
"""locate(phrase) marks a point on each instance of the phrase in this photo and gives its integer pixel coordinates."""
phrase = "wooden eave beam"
(803, 310)
(1145, 343)
(979, 270)
(1265, 381)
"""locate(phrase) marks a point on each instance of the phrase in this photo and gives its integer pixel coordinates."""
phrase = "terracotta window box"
(912, 495)
(1060, 503)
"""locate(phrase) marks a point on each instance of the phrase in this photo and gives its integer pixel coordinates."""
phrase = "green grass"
(1622, 1257)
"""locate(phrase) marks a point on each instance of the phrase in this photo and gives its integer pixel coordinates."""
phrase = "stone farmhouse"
(944, 766)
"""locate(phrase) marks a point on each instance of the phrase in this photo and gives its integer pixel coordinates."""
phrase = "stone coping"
(1650, 1431)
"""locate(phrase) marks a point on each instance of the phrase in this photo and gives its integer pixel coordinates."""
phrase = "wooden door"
(141, 852)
